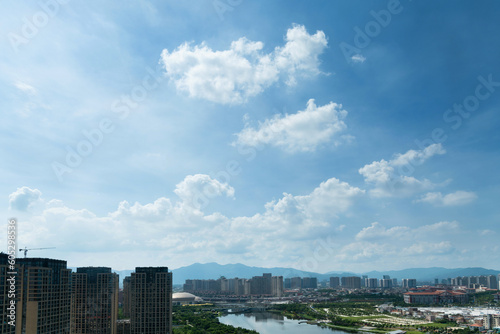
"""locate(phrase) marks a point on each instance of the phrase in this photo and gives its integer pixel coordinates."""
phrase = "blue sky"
(346, 135)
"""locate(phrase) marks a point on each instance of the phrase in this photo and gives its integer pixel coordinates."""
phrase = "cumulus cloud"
(196, 190)
(452, 199)
(24, 198)
(283, 229)
(324, 203)
(394, 176)
(243, 71)
(303, 131)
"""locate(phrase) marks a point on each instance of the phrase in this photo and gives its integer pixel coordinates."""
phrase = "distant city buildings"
(257, 285)
(351, 282)
(371, 283)
(334, 282)
(297, 283)
(356, 282)
(475, 282)
(409, 283)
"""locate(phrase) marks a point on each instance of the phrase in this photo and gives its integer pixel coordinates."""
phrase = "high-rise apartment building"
(409, 283)
(492, 282)
(296, 283)
(364, 279)
(309, 283)
(46, 299)
(352, 282)
(334, 282)
(394, 282)
(151, 301)
(126, 297)
(94, 301)
(371, 283)
(386, 283)
(277, 286)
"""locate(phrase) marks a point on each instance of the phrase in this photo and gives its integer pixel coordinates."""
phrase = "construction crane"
(26, 249)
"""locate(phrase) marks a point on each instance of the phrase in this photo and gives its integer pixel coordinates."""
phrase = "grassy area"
(343, 328)
(365, 317)
(441, 325)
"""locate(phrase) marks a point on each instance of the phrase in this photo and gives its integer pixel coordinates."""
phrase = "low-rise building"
(436, 297)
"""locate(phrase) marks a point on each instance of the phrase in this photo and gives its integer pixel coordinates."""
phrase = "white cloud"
(232, 76)
(26, 88)
(284, 229)
(358, 58)
(303, 131)
(24, 198)
(422, 248)
(486, 232)
(402, 245)
(417, 157)
(197, 190)
(439, 228)
(377, 231)
(394, 176)
(452, 199)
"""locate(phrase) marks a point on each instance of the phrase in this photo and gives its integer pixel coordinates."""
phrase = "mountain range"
(214, 271)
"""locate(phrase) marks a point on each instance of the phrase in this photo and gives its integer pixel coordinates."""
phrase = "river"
(271, 323)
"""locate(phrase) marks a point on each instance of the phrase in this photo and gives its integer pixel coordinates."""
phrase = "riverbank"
(362, 317)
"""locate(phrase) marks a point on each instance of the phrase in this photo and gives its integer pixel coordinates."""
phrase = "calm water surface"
(270, 323)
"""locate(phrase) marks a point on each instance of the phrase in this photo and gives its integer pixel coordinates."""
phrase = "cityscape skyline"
(352, 136)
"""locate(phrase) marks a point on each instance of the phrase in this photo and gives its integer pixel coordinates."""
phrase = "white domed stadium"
(185, 298)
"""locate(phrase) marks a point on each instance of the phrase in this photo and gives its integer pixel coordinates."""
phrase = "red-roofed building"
(436, 297)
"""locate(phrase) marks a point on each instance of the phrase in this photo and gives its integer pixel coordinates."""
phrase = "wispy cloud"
(393, 177)
(452, 199)
(25, 88)
(358, 58)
